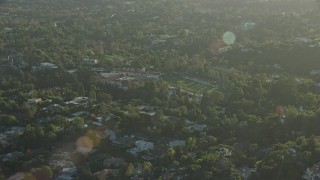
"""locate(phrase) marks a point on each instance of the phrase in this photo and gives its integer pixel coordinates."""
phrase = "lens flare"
(84, 144)
(17, 176)
(229, 38)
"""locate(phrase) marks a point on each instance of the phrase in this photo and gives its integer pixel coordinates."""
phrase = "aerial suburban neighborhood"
(159, 89)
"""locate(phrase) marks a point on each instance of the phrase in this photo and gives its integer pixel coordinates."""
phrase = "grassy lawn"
(190, 85)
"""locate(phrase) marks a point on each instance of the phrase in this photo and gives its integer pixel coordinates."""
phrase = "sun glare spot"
(17, 176)
(229, 38)
(84, 144)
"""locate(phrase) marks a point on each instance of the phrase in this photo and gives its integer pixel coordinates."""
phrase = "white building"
(249, 26)
(225, 49)
(78, 100)
(302, 40)
(48, 66)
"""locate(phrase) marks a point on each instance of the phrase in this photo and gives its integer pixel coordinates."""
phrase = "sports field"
(188, 84)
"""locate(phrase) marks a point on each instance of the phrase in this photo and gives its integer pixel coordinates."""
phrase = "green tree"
(171, 153)
(51, 136)
(59, 120)
(28, 111)
(147, 167)
(284, 90)
(44, 173)
(191, 142)
(28, 176)
(78, 123)
(104, 97)
(291, 112)
(130, 170)
(92, 95)
(8, 120)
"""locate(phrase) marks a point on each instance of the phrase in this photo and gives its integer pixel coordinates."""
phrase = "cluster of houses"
(7, 136)
(10, 156)
(62, 161)
(305, 41)
(312, 173)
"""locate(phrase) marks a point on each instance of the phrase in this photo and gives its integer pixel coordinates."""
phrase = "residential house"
(224, 49)
(110, 77)
(112, 135)
(138, 172)
(107, 173)
(292, 152)
(72, 71)
(47, 65)
(302, 41)
(114, 162)
(97, 69)
(79, 100)
(148, 110)
(34, 101)
(3, 140)
(98, 121)
(177, 143)
(17, 61)
(124, 142)
(54, 108)
(225, 152)
(166, 36)
(147, 157)
(110, 116)
(7, 136)
(61, 160)
(141, 146)
(158, 41)
(7, 29)
(314, 72)
(67, 174)
(15, 131)
(246, 172)
(11, 156)
(245, 50)
(172, 91)
(103, 132)
(90, 61)
(197, 127)
(80, 113)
